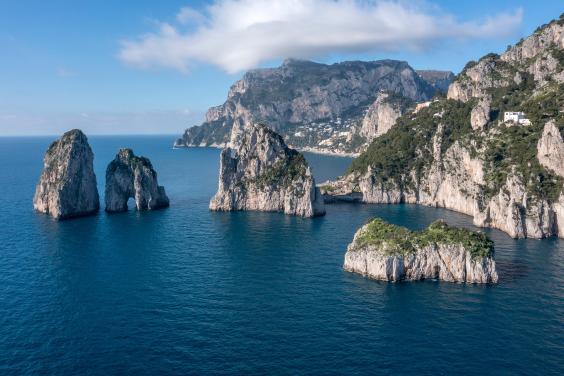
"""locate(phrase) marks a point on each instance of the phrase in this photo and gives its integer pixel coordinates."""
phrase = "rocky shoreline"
(461, 153)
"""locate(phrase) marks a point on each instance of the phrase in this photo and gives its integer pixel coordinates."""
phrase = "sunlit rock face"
(67, 186)
(259, 172)
(390, 253)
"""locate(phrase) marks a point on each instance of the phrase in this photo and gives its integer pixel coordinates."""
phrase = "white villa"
(516, 117)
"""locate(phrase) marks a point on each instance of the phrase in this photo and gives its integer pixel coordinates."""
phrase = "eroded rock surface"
(391, 253)
(259, 172)
(550, 149)
(129, 176)
(382, 115)
(480, 115)
(67, 186)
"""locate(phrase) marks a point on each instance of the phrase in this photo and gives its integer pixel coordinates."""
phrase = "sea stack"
(387, 252)
(67, 186)
(259, 172)
(129, 176)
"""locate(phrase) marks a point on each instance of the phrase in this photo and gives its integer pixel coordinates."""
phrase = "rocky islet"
(67, 186)
(259, 172)
(392, 253)
(129, 176)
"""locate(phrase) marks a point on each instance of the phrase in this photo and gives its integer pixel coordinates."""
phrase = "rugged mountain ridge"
(460, 154)
(259, 172)
(309, 103)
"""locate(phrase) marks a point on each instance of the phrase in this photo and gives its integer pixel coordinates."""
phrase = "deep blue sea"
(187, 291)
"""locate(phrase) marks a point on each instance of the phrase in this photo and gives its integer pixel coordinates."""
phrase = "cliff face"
(259, 172)
(129, 176)
(385, 252)
(459, 154)
(67, 186)
(308, 103)
(382, 115)
(550, 149)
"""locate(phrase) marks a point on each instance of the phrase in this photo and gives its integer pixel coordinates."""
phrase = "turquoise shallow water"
(187, 291)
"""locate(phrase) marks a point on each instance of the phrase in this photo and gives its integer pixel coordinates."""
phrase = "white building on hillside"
(517, 117)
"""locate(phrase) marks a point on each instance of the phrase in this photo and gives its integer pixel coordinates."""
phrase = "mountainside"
(311, 105)
(461, 153)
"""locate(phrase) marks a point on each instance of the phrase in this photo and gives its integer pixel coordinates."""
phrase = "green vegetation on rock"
(404, 155)
(408, 146)
(394, 239)
(284, 171)
(513, 149)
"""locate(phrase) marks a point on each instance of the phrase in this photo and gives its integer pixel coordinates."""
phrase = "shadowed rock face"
(129, 176)
(67, 186)
(259, 172)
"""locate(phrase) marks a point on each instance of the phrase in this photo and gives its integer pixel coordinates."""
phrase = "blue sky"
(121, 67)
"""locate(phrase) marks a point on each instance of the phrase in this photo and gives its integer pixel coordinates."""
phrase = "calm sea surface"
(187, 291)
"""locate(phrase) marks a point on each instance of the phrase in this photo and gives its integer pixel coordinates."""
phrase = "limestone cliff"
(539, 55)
(310, 105)
(382, 115)
(480, 115)
(459, 154)
(259, 172)
(67, 186)
(390, 253)
(129, 176)
(550, 149)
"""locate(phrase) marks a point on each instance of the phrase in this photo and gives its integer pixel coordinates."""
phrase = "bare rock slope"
(460, 154)
(67, 186)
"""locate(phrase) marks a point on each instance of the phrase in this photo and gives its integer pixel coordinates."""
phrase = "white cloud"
(240, 34)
